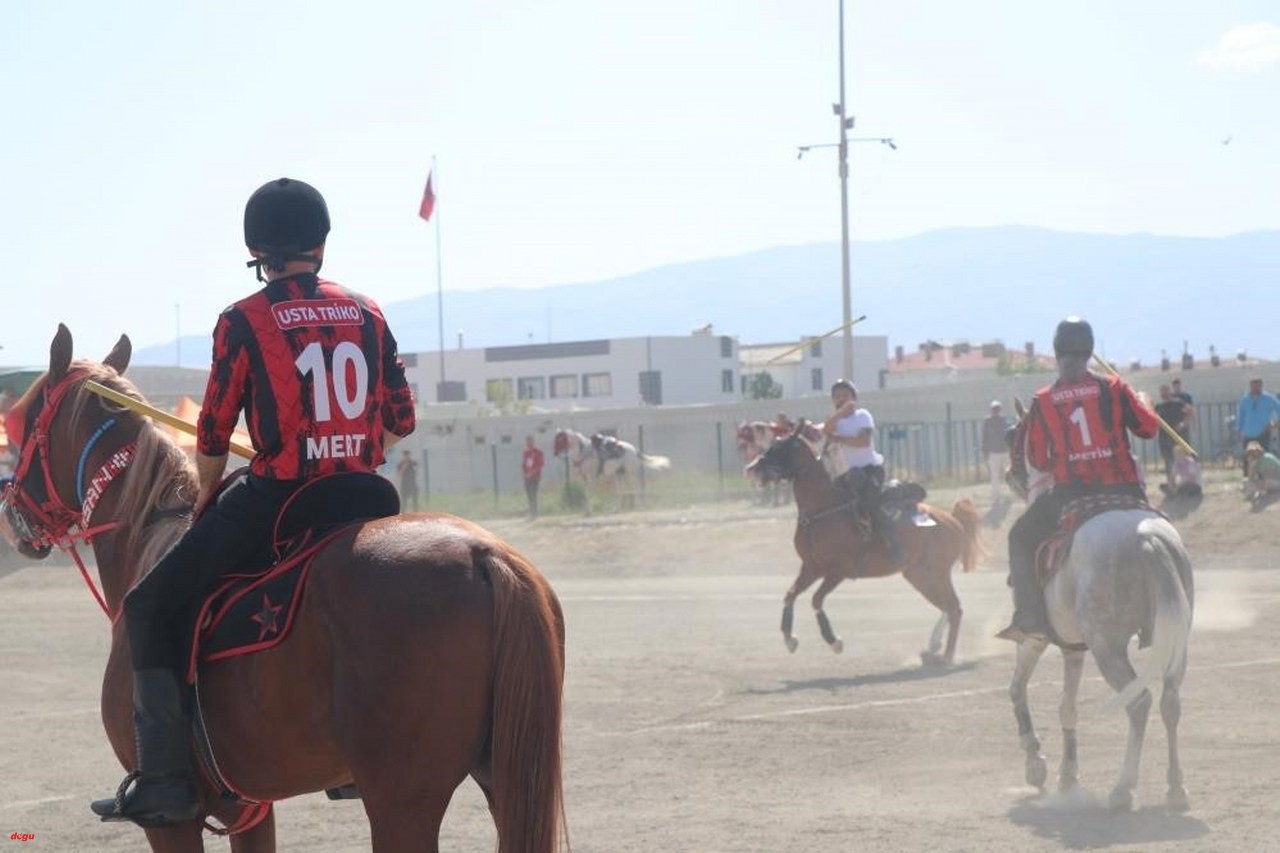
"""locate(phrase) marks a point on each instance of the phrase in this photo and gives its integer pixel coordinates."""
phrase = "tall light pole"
(846, 122)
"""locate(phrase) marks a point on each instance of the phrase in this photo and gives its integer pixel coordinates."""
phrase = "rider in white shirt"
(852, 429)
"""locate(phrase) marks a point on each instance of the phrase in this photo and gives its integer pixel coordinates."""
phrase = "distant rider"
(852, 429)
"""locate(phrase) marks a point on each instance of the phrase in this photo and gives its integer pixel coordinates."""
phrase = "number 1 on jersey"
(1078, 418)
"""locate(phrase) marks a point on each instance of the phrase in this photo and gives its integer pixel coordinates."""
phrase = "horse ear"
(60, 353)
(118, 358)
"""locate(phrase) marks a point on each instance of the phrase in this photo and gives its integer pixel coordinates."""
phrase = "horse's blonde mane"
(160, 478)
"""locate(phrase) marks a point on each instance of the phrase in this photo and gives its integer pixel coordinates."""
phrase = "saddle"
(607, 448)
(254, 607)
(900, 502)
(1053, 552)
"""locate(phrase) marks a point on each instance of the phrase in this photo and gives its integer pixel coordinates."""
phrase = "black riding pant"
(1035, 526)
(865, 485)
(158, 610)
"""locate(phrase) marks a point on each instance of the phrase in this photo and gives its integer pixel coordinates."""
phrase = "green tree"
(762, 387)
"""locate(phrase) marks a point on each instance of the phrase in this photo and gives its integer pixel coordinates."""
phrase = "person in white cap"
(994, 449)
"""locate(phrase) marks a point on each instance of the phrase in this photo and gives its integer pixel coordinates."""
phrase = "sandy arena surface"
(690, 728)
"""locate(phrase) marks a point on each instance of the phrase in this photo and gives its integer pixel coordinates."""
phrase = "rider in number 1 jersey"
(1077, 429)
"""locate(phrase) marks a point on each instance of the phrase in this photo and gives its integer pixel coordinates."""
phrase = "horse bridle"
(44, 521)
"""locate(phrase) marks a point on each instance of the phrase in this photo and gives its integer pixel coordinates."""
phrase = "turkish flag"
(428, 201)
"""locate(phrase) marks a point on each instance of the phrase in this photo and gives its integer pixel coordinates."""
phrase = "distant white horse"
(1127, 574)
(577, 448)
(616, 464)
(607, 460)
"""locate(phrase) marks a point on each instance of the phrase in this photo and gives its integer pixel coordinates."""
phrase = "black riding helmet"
(284, 220)
(846, 385)
(1073, 335)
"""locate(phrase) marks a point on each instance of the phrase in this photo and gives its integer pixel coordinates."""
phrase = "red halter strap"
(51, 522)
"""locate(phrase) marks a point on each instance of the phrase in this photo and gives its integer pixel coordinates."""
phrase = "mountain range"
(1143, 294)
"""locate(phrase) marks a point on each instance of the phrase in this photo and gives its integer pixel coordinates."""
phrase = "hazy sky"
(586, 139)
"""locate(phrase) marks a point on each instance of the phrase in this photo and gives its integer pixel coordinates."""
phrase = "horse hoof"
(837, 646)
(1037, 771)
(792, 644)
(1068, 784)
(1177, 800)
(1121, 800)
(933, 659)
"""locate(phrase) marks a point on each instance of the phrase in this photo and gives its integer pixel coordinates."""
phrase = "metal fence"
(483, 458)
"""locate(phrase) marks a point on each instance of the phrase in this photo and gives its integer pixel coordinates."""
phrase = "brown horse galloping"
(424, 650)
(831, 548)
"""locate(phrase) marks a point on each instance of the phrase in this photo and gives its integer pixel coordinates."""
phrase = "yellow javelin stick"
(806, 343)
(1173, 433)
(157, 414)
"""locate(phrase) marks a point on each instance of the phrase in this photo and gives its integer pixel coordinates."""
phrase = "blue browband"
(84, 456)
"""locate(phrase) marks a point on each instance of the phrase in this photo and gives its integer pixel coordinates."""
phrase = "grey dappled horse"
(1127, 574)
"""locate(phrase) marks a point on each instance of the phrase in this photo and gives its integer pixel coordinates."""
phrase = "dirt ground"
(690, 728)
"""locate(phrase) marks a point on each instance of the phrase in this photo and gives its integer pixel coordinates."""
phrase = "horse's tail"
(654, 462)
(1171, 625)
(971, 520)
(528, 682)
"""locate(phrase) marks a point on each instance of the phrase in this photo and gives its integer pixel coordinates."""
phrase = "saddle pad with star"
(254, 609)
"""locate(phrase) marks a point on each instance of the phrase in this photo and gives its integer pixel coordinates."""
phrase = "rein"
(810, 517)
(51, 522)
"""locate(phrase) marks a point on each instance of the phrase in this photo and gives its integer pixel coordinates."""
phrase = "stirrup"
(113, 809)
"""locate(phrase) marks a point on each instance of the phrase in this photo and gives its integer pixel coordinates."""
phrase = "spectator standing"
(994, 449)
(1190, 413)
(1173, 411)
(1254, 415)
(531, 463)
(407, 471)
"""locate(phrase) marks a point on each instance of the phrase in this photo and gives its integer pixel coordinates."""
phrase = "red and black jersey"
(1079, 431)
(315, 369)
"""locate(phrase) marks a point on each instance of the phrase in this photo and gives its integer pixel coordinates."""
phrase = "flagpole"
(439, 281)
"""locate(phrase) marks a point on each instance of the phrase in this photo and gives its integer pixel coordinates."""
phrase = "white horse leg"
(1072, 671)
(1171, 713)
(1114, 665)
(1028, 656)
(935, 639)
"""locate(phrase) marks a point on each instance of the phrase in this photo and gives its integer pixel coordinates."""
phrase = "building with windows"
(596, 374)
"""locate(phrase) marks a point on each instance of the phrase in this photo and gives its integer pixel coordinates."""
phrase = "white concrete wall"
(691, 369)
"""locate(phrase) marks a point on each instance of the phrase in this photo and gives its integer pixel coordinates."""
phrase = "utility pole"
(845, 291)
(846, 123)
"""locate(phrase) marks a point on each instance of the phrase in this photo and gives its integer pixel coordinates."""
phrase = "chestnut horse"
(831, 548)
(424, 650)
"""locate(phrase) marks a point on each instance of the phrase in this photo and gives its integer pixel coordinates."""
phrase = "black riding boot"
(884, 526)
(161, 791)
(1030, 615)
